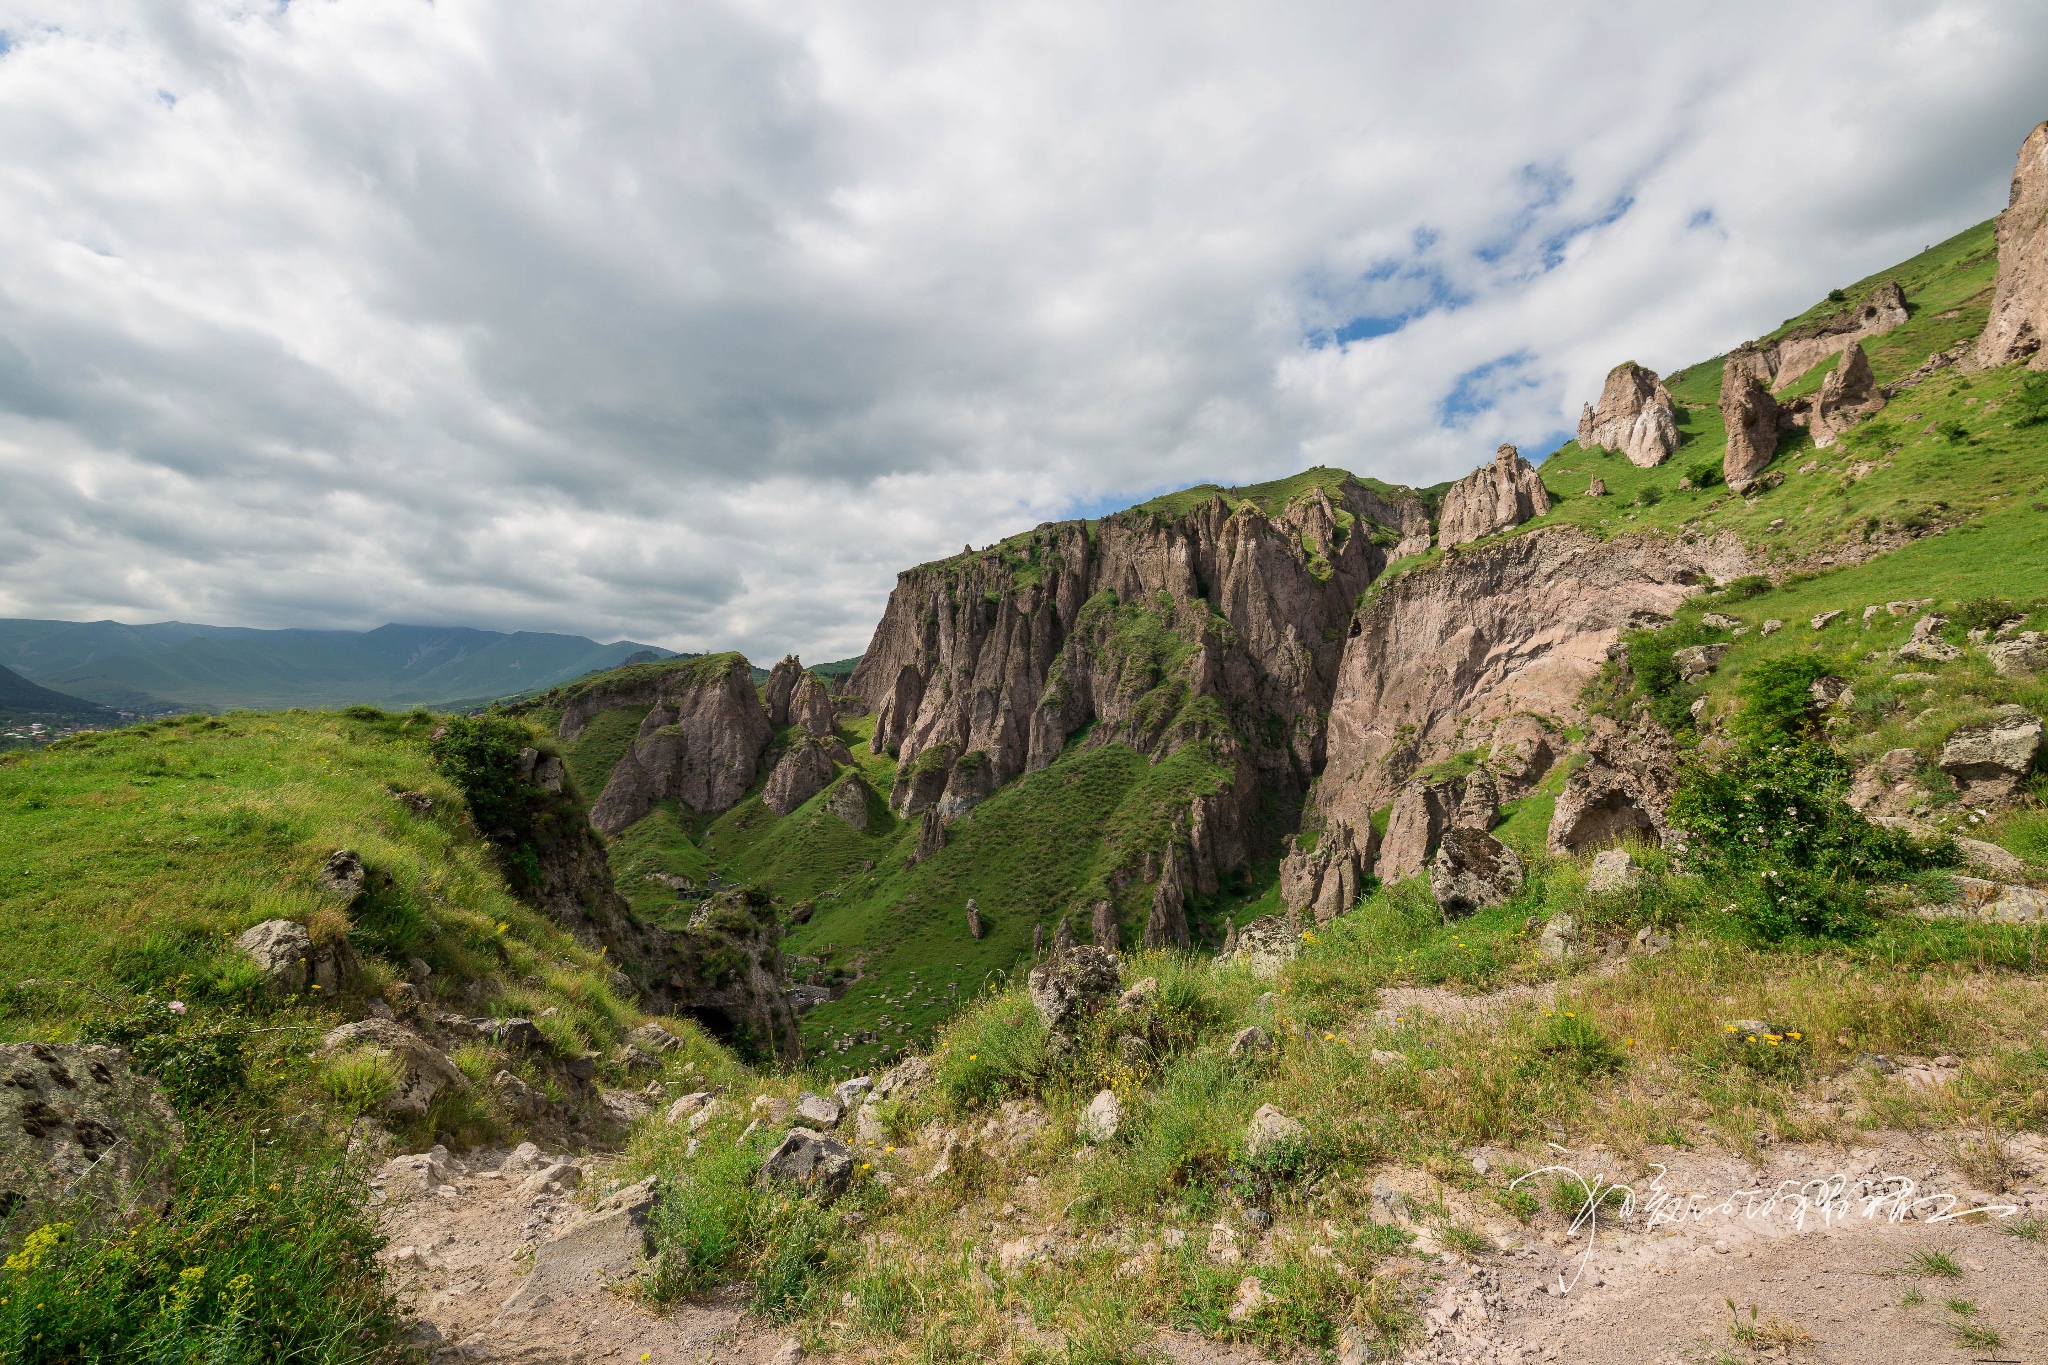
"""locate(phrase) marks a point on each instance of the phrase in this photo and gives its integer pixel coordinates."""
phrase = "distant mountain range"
(175, 666)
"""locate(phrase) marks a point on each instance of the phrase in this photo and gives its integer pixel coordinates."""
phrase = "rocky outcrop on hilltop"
(1485, 642)
(702, 743)
(1847, 395)
(1492, 498)
(1222, 624)
(1788, 357)
(2019, 300)
(810, 706)
(782, 681)
(1635, 416)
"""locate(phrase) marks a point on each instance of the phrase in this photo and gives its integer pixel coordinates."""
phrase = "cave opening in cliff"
(716, 1021)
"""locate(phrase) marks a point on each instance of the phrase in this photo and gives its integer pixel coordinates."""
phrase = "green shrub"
(1776, 702)
(360, 1081)
(1649, 497)
(996, 1051)
(199, 1061)
(1983, 613)
(1576, 1043)
(1704, 475)
(1770, 825)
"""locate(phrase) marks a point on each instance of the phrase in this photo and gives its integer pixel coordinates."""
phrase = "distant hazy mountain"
(21, 701)
(141, 668)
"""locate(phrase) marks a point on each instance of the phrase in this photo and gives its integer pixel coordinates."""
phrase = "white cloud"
(697, 321)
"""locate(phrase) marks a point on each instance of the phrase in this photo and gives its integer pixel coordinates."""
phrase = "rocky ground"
(506, 1257)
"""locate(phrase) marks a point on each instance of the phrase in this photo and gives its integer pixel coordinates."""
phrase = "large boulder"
(591, 1255)
(1636, 416)
(2019, 301)
(816, 1164)
(1988, 762)
(1697, 661)
(1073, 985)
(76, 1122)
(1473, 870)
(1270, 1128)
(849, 801)
(424, 1070)
(1492, 498)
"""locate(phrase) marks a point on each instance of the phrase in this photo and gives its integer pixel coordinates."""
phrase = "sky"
(695, 323)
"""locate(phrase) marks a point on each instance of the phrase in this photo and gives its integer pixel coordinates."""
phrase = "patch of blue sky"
(6, 43)
(1480, 389)
(1388, 296)
(1090, 509)
(1545, 188)
(1548, 444)
(1703, 218)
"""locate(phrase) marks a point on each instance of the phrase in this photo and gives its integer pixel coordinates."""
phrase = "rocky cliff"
(1636, 416)
(2019, 303)
(1219, 622)
(1439, 660)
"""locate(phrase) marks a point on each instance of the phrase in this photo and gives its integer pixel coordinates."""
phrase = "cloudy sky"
(693, 322)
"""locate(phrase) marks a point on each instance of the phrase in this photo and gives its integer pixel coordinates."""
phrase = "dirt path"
(1831, 1275)
(496, 1252)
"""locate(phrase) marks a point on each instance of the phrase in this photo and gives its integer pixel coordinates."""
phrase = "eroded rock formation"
(2019, 300)
(1492, 498)
(1847, 396)
(1325, 880)
(1439, 659)
(782, 680)
(1751, 416)
(701, 742)
(1635, 416)
(804, 770)
(1620, 793)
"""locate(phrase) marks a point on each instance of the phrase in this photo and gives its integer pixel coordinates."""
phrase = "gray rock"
(514, 1035)
(1560, 938)
(1990, 859)
(424, 1070)
(341, 875)
(1771, 627)
(1715, 620)
(815, 1111)
(1073, 985)
(1821, 621)
(1101, 1119)
(653, 1038)
(593, 1253)
(1613, 870)
(1139, 995)
(77, 1123)
(1831, 691)
(1472, 870)
(283, 949)
(1270, 1128)
(1989, 761)
(848, 800)
(632, 1057)
(821, 1166)
(2026, 652)
(848, 1094)
(686, 1106)
(1250, 1042)
(1649, 940)
(516, 1097)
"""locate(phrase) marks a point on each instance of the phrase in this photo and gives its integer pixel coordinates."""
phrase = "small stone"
(1270, 1128)
(1715, 620)
(1382, 1057)
(789, 1353)
(815, 1111)
(1771, 627)
(1251, 1297)
(1560, 937)
(1139, 995)
(1250, 1041)
(1650, 941)
(686, 1106)
(1821, 621)
(848, 1094)
(820, 1165)
(1613, 870)
(1101, 1119)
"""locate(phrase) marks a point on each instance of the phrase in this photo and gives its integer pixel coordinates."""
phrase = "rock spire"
(1635, 416)
(1492, 498)
(2019, 301)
